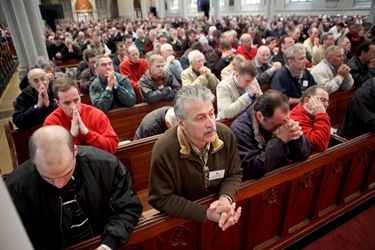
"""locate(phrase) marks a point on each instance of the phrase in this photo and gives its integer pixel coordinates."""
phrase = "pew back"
(125, 121)
(18, 142)
(338, 103)
(278, 209)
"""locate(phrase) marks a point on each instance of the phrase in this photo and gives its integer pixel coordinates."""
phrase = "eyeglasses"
(199, 61)
(206, 172)
(322, 99)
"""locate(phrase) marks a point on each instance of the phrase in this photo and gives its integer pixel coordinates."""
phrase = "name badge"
(305, 83)
(217, 174)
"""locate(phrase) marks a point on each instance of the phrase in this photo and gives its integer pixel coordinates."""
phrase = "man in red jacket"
(246, 49)
(313, 118)
(87, 124)
(134, 68)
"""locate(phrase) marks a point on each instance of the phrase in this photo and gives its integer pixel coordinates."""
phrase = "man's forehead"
(105, 60)
(37, 74)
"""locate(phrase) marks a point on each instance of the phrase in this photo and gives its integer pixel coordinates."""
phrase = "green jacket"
(105, 99)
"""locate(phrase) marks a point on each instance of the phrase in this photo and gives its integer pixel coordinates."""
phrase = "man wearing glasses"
(66, 193)
(195, 159)
(267, 138)
(197, 73)
(313, 118)
(35, 102)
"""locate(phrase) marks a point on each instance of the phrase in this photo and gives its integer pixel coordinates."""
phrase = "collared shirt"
(299, 76)
(334, 70)
(203, 156)
(240, 90)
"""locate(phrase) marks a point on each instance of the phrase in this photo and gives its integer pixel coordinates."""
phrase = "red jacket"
(248, 55)
(101, 133)
(134, 72)
(317, 131)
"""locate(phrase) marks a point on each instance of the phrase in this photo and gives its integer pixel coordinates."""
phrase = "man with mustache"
(87, 124)
(195, 159)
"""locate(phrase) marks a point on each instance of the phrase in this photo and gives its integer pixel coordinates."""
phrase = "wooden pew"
(18, 142)
(125, 121)
(68, 64)
(338, 103)
(278, 209)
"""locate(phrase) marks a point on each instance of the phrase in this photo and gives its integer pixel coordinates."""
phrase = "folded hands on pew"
(223, 212)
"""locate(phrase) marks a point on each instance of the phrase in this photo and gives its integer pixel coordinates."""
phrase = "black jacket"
(106, 196)
(26, 116)
(360, 72)
(152, 124)
(360, 114)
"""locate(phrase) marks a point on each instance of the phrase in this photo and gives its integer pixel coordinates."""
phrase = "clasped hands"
(111, 79)
(42, 96)
(223, 212)
(77, 123)
(205, 71)
(290, 130)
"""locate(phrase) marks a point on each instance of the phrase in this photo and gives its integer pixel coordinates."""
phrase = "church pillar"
(26, 31)
(144, 9)
(217, 9)
(183, 5)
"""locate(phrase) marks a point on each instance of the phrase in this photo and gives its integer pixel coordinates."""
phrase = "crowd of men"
(303, 59)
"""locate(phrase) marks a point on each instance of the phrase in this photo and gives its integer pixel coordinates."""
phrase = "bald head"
(263, 49)
(263, 54)
(49, 141)
(53, 152)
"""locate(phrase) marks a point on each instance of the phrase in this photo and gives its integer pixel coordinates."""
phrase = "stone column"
(26, 30)
(161, 8)
(183, 6)
(371, 16)
(217, 9)
(144, 9)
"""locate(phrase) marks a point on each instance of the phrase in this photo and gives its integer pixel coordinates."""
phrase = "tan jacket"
(188, 77)
(229, 102)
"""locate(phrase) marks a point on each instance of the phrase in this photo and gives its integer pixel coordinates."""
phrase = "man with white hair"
(69, 51)
(197, 73)
(81, 41)
(332, 73)
(172, 65)
(140, 41)
(293, 78)
(265, 69)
